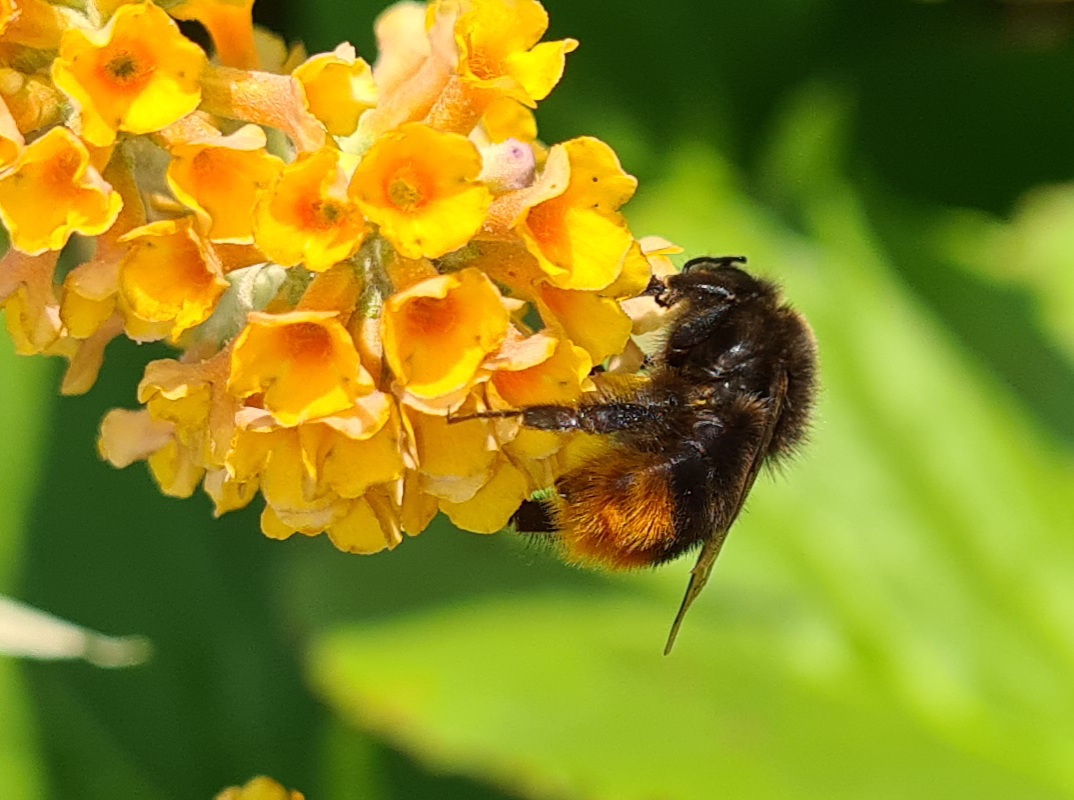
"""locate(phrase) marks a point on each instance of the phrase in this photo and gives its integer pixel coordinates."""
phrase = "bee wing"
(699, 575)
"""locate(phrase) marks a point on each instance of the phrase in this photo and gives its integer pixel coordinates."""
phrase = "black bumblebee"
(732, 389)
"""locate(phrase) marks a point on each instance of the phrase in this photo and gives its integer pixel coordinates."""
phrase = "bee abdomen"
(617, 511)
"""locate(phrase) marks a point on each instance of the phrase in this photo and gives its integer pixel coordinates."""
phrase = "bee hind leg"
(533, 517)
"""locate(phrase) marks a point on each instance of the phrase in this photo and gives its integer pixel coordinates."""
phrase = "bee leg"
(533, 516)
(690, 333)
(596, 418)
(453, 418)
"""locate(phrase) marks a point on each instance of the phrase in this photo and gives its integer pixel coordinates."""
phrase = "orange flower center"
(429, 316)
(483, 65)
(203, 164)
(308, 341)
(406, 191)
(62, 168)
(545, 221)
(325, 214)
(195, 276)
(126, 70)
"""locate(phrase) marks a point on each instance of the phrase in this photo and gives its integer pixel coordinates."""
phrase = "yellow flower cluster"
(343, 255)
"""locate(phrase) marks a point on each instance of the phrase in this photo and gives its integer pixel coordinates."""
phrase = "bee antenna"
(713, 261)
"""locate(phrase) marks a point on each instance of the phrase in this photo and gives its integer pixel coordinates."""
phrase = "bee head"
(711, 281)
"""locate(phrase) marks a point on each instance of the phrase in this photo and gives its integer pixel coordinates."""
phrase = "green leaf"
(563, 695)
(1035, 250)
(24, 412)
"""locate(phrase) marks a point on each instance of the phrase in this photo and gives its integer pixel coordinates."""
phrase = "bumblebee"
(731, 390)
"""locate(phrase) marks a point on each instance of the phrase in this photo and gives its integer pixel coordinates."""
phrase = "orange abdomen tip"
(617, 511)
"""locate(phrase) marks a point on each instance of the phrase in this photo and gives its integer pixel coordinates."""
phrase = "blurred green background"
(894, 615)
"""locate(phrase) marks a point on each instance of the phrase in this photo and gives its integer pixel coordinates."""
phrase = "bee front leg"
(691, 333)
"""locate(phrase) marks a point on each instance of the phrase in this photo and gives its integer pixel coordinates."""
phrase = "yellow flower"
(356, 526)
(496, 57)
(578, 237)
(557, 378)
(89, 296)
(85, 356)
(361, 448)
(260, 788)
(333, 307)
(221, 178)
(322, 476)
(362, 530)
(171, 275)
(90, 290)
(539, 369)
(193, 398)
(33, 23)
(51, 191)
(11, 139)
(226, 493)
(129, 436)
(339, 88)
(437, 333)
(34, 102)
(136, 74)
(506, 118)
(498, 50)
(230, 24)
(462, 466)
(453, 460)
(28, 295)
(133, 436)
(419, 185)
(491, 507)
(415, 62)
(304, 363)
(106, 8)
(307, 217)
(274, 459)
(591, 321)
(403, 45)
